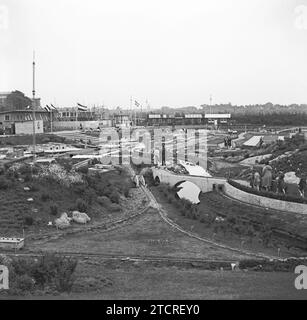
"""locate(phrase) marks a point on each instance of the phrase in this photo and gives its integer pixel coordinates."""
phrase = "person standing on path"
(267, 176)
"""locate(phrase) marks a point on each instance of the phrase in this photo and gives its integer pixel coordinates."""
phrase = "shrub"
(170, 198)
(114, 197)
(79, 188)
(24, 283)
(28, 221)
(81, 205)
(113, 207)
(55, 271)
(83, 170)
(4, 183)
(104, 201)
(148, 176)
(54, 209)
(89, 195)
(34, 187)
(45, 196)
(28, 177)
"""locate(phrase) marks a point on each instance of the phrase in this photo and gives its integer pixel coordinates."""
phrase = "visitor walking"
(302, 186)
(257, 180)
(281, 185)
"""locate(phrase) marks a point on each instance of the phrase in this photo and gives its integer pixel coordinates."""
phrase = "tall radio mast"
(33, 109)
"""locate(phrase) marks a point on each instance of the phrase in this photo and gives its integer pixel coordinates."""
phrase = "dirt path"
(164, 216)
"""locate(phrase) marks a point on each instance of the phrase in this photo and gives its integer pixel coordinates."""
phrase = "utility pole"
(33, 110)
(51, 126)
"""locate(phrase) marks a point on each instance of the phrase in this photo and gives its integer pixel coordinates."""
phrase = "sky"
(169, 52)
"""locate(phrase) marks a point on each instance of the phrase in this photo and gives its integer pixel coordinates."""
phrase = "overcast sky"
(173, 53)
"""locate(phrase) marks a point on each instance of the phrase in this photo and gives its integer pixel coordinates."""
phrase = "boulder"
(80, 217)
(62, 222)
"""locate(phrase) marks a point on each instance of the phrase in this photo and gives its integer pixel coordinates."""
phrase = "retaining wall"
(264, 201)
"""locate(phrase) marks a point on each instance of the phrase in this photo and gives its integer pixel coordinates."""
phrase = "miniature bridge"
(206, 184)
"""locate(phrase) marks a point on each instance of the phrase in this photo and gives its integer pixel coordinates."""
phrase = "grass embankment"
(55, 190)
(101, 279)
(146, 235)
(241, 226)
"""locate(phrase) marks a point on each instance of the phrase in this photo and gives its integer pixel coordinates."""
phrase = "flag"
(81, 107)
(53, 107)
(136, 103)
(47, 108)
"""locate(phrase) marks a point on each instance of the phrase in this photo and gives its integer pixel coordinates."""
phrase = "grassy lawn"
(96, 280)
(213, 203)
(147, 235)
(173, 283)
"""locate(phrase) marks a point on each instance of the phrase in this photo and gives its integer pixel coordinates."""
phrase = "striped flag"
(53, 107)
(81, 107)
(136, 103)
(47, 108)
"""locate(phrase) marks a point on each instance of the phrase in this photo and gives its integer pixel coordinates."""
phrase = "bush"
(45, 196)
(55, 271)
(33, 187)
(83, 170)
(28, 177)
(89, 195)
(114, 197)
(114, 207)
(4, 183)
(28, 221)
(54, 209)
(170, 198)
(24, 283)
(81, 205)
(104, 201)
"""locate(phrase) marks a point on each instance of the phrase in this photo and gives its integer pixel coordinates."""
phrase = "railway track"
(114, 256)
(164, 216)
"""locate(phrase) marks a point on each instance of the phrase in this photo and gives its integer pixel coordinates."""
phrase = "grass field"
(98, 280)
(147, 235)
(215, 204)
(138, 282)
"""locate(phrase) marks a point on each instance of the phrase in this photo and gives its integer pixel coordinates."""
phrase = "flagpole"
(131, 117)
(33, 109)
(51, 120)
